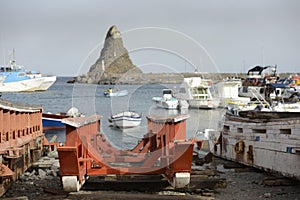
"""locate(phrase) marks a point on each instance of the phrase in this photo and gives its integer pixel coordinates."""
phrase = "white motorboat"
(198, 93)
(18, 79)
(228, 92)
(18, 82)
(167, 101)
(48, 81)
(127, 119)
(257, 78)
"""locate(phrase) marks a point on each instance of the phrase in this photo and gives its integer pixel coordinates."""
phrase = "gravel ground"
(242, 184)
(248, 185)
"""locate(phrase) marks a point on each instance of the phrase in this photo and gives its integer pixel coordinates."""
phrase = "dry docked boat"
(268, 140)
(52, 121)
(127, 119)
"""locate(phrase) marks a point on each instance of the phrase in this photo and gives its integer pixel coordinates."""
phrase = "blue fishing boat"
(53, 121)
(14, 78)
(18, 81)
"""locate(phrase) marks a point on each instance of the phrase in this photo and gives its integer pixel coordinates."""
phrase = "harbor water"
(89, 99)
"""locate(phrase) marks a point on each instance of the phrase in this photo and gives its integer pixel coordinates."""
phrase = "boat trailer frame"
(163, 150)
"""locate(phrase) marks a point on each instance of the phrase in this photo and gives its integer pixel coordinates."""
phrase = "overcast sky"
(64, 37)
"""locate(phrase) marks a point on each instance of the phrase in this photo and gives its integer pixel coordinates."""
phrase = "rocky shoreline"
(219, 180)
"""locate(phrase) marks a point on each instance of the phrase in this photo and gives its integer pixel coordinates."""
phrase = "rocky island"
(114, 66)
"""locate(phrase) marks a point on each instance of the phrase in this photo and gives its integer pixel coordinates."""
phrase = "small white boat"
(111, 93)
(127, 119)
(167, 101)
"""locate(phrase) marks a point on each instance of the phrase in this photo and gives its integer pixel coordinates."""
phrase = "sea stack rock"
(113, 62)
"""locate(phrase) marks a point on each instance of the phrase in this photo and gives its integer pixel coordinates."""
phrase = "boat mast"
(12, 61)
(263, 56)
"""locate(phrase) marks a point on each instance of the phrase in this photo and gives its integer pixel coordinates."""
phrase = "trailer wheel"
(70, 184)
(181, 180)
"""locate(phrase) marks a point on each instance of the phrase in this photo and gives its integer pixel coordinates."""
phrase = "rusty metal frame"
(163, 150)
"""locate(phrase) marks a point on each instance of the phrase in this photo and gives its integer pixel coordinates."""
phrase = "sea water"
(89, 99)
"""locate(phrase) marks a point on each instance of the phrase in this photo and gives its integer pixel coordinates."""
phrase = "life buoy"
(255, 81)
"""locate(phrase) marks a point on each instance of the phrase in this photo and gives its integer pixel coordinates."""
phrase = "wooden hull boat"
(268, 140)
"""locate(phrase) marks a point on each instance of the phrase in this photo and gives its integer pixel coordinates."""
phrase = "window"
(259, 130)
(21, 74)
(226, 128)
(285, 131)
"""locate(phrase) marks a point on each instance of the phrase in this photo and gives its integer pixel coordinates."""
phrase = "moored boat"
(17, 79)
(48, 81)
(127, 119)
(18, 82)
(167, 101)
(118, 93)
(228, 92)
(257, 78)
(198, 93)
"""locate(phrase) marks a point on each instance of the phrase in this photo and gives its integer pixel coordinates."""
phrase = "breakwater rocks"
(158, 78)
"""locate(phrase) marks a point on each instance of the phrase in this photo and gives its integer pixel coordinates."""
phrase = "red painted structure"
(21, 140)
(163, 150)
